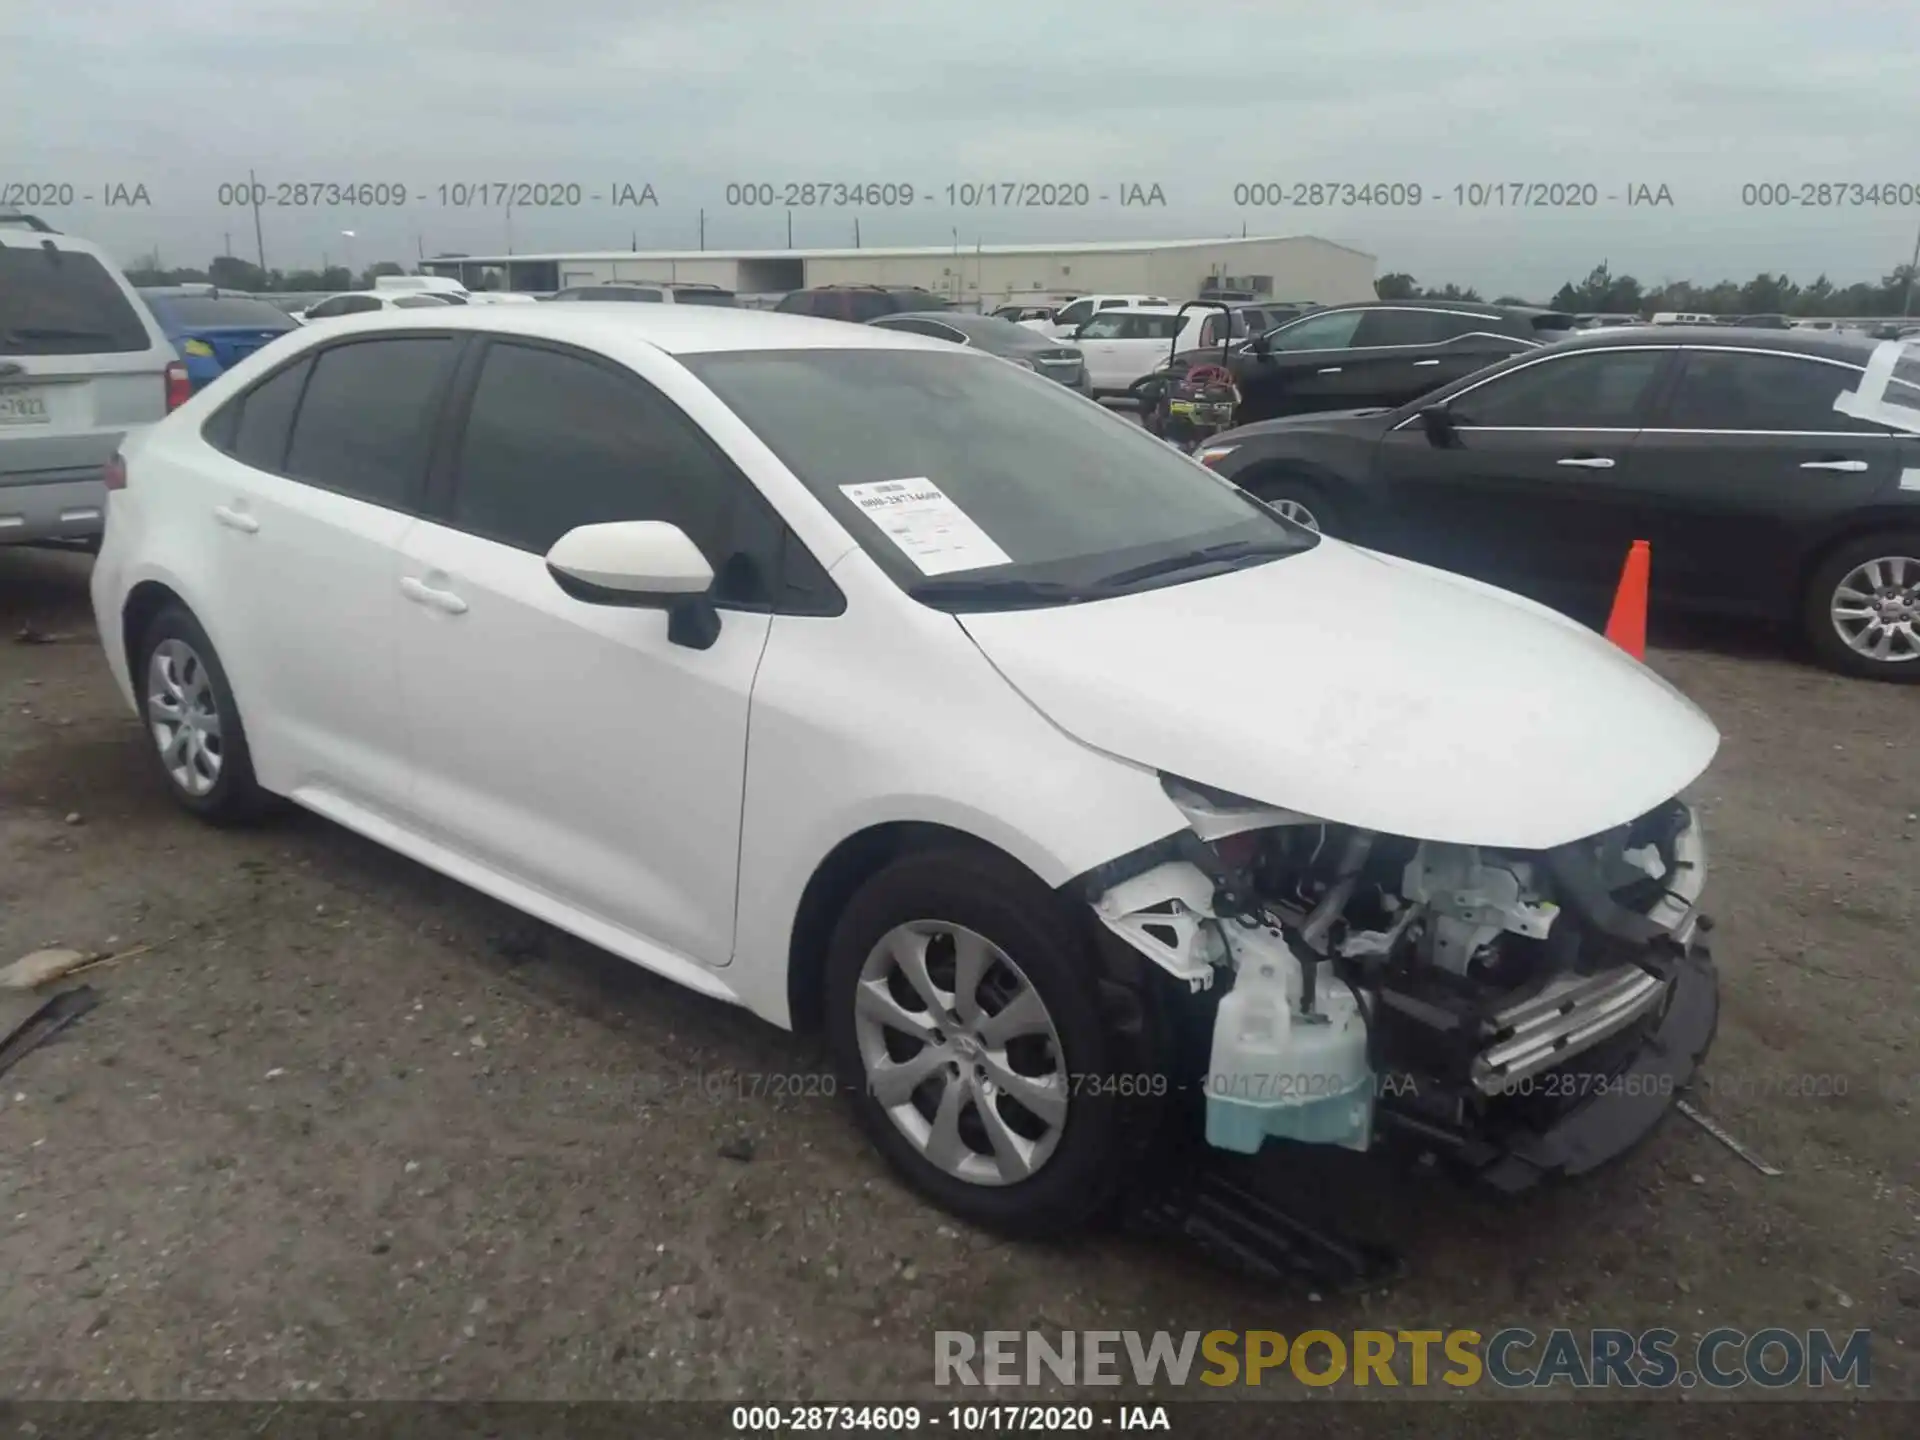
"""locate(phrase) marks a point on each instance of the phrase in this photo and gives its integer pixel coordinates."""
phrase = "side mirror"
(1260, 345)
(1438, 424)
(640, 564)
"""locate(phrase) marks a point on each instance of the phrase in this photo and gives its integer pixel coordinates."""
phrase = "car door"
(320, 483)
(1531, 484)
(576, 749)
(1100, 341)
(1144, 342)
(1749, 466)
(1290, 370)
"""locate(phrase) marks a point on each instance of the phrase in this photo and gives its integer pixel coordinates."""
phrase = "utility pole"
(703, 228)
(227, 236)
(1906, 302)
(259, 245)
(856, 232)
(789, 229)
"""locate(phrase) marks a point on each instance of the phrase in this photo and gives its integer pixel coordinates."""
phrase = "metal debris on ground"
(1715, 1129)
(46, 1022)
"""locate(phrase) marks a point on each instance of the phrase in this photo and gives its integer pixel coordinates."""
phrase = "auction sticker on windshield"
(930, 529)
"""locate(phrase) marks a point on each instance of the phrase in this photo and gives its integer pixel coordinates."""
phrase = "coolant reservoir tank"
(1276, 1073)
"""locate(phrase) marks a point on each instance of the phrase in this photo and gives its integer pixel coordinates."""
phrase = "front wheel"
(965, 1024)
(1861, 611)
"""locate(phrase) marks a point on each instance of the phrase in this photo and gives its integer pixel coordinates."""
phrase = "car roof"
(613, 326)
(1849, 346)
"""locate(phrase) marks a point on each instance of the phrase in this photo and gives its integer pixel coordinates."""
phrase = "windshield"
(210, 312)
(704, 297)
(1024, 483)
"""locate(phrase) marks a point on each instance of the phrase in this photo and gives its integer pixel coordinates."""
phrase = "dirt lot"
(349, 1130)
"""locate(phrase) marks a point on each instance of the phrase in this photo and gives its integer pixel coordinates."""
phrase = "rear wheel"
(192, 722)
(1861, 612)
(1298, 499)
(965, 1024)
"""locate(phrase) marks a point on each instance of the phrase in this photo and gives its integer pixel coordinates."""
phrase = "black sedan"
(1723, 448)
(1371, 352)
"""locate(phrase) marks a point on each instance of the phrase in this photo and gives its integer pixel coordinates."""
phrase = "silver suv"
(82, 361)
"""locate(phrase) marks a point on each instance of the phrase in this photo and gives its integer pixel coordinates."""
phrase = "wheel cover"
(1298, 513)
(960, 1052)
(184, 716)
(1876, 609)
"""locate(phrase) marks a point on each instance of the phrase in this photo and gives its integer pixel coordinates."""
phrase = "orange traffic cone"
(1627, 625)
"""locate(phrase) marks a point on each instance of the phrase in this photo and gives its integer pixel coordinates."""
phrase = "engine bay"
(1355, 976)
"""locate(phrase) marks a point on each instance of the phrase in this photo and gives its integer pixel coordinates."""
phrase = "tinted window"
(63, 302)
(266, 413)
(408, 302)
(868, 306)
(1075, 314)
(1332, 330)
(199, 310)
(1151, 327)
(798, 303)
(1722, 390)
(367, 420)
(1412, 327)
(920, 327)
(1600, 390)
(554, 441)
(704, 297)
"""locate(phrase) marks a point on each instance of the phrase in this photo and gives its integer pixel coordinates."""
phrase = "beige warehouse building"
(1279, 267)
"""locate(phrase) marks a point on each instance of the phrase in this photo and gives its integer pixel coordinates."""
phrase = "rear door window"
(1729, 390)
(1076, 314)
(1408, 327)
(64, 302)
(366, 421)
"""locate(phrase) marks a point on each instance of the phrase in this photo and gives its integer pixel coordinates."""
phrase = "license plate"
(24, 407)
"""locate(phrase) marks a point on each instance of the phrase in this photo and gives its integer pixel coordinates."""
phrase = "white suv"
(1076, 313)
(82, 362)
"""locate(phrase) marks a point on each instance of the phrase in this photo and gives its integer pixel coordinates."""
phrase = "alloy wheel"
(961, 1053)
(184, 716)
(1298, 513)
(1876, 609)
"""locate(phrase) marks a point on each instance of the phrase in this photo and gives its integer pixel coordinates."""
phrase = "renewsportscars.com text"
(1513, 1358)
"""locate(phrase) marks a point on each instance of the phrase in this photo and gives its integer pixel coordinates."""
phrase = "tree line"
(229, 272)
(1604, 293)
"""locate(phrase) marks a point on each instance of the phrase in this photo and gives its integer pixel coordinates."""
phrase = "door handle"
(1331, 370)
(426, 595)
(1422, 364)
(1852, 467)
(1587, 462)
(240, 520)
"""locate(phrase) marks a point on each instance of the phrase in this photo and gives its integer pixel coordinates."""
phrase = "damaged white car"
(883, 686)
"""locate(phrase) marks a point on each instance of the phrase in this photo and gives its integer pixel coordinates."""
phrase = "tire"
(1299, 499)
(1847, 571)
(1076, 1173)
(214, 777)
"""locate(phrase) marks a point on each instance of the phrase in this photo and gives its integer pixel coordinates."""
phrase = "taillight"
(179, 387)
(116, 473)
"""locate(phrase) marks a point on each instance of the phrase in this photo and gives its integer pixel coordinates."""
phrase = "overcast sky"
(1701, 96)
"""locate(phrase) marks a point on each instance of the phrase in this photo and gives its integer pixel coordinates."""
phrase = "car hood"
(1365, 690)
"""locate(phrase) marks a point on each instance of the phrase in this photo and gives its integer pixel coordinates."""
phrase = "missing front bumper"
(1615, 1111)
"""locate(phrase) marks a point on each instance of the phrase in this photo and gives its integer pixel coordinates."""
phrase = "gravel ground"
(346, 1129)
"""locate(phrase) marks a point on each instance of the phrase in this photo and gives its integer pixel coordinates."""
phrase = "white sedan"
(868, 682)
